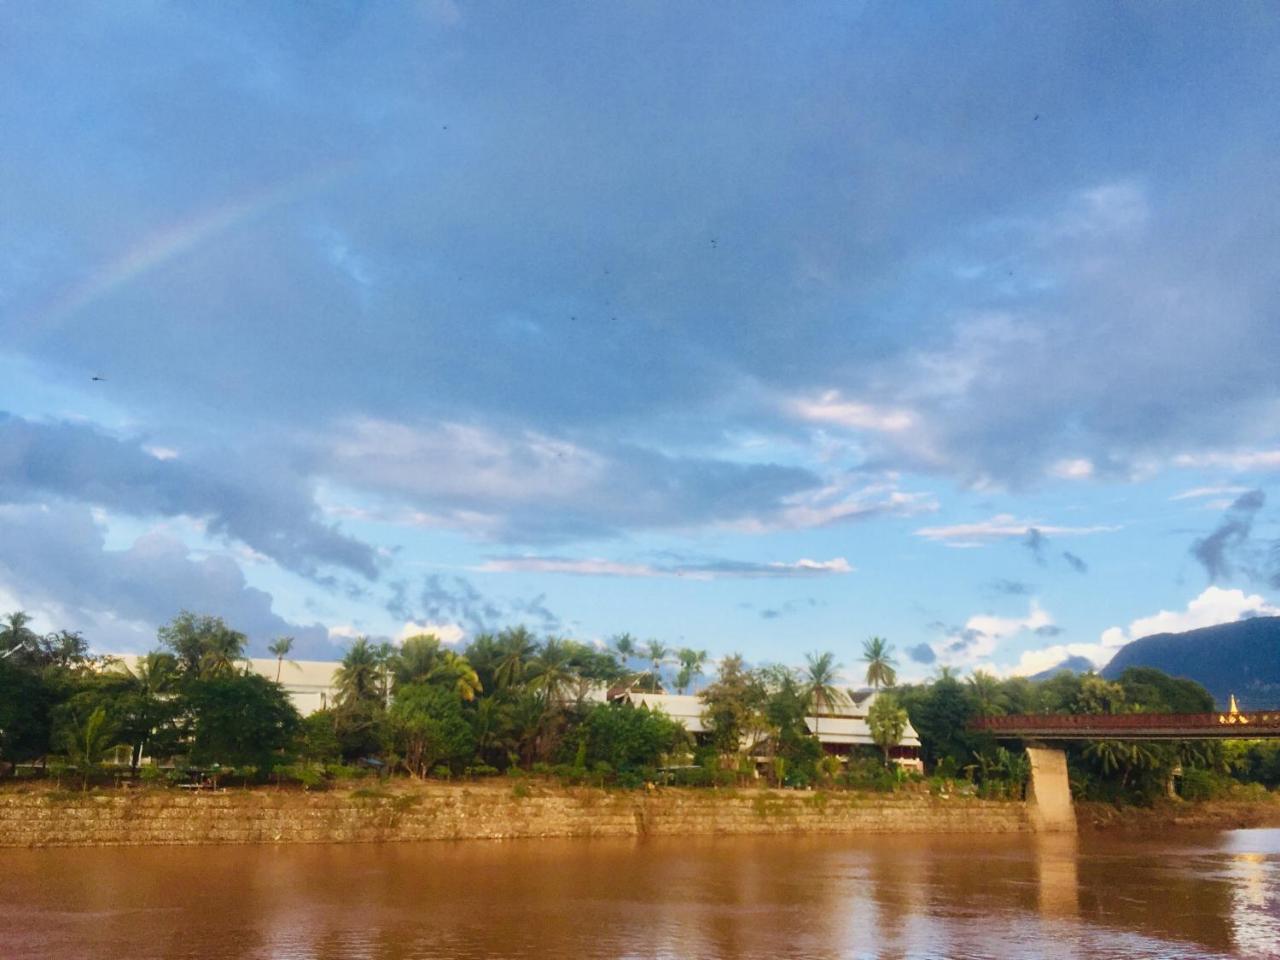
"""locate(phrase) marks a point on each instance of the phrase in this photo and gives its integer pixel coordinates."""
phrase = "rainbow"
(173, 241)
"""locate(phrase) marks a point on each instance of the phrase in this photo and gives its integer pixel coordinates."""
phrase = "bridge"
(1049, 793)
(1253, 725)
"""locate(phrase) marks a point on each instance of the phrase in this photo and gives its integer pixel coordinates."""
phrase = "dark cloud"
(119, 597)
(1048, 630)
(1035, 542)
(1012, 588)
(452, 599)
(790, 608)
(1217, 551)
(1076, 564)
(922, 653)
(253, 497)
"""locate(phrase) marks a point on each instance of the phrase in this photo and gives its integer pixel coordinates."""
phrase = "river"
(1187, 895)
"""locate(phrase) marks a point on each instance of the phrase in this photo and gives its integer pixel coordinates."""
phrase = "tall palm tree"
(147, 685)
(518, 647)
(624, 645)
(657, 652)
(419, 655)
(691, 664)
(820, 675)
(280, 649)
(357, 678)
(454, 670)
(14, 634)
(878, 656)
(985, 690)
(552, 674)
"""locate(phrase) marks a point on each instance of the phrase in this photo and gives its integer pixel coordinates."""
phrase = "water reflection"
(745, 897)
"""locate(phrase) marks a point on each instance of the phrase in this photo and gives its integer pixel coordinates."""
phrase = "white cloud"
(1045, 658)
(1000, 527)
(1215, 605)
(1197, 492)
(1073, 469)
(983, 633)
(1240, 460)
(448, 633)
(832, 408)
(842, 500)
(692, 570)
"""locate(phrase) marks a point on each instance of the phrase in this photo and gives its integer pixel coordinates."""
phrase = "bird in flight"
(97, 378)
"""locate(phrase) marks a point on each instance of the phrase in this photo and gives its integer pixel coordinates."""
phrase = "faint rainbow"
(170, 242)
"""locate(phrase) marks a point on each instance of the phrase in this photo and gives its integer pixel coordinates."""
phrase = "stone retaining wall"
(488, 811)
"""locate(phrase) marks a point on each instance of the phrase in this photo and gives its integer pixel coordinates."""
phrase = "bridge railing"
(1137, 722)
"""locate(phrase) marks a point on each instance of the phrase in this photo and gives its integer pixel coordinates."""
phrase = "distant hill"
(1071, 664)
(1241, 658)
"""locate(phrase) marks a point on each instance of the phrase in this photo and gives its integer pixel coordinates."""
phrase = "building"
(839, 729)
(310, 683)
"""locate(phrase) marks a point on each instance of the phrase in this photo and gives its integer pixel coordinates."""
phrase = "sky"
(742, 328)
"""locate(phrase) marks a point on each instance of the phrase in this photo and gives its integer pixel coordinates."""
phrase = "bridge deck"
(1134, 726)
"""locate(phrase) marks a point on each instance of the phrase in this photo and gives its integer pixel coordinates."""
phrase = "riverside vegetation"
(515, 705)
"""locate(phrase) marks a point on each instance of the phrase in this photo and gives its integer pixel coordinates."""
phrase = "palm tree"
(624, 645)
(985, 690)
(454, 670)
(820, 690)
(657, 652)
(691, 664)
(14, 634)
(223, 653)
(357, 678)
(150, 682)
(86, 743)
(419, 656)
(518, 647)
(879, 659)
(280, 649)
(552, 672)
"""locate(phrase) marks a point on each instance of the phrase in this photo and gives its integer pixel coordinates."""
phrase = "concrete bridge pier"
(1049, 793)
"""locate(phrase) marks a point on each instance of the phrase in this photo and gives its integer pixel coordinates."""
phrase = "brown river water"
(1184, 895)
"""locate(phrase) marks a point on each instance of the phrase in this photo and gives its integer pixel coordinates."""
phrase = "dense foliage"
(513, 702)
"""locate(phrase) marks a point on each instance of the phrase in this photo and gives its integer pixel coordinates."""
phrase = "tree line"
(513, 702)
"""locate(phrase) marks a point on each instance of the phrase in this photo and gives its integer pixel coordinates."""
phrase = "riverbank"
(1204, 814)
(434, 811)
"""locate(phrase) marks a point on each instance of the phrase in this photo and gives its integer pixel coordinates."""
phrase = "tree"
(419, 655)
(86, 743)
(986, 693)
(691, 664)
(734, 707)
(145, 701)
(517, 649)
(624, 644)
(657, 652)
(887, 722)
(357, 678)
(552, 674)
(878, 656)
(627, 738)
(821, 692)
(238, 720)
(204, 646)
(453, 672)
(429, 728)
(280, 649)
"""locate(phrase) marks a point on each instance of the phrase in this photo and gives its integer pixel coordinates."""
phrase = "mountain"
(1071, 664)
(1241, 658)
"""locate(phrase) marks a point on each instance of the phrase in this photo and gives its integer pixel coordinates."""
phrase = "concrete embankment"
(1164, 816)
(475, 811)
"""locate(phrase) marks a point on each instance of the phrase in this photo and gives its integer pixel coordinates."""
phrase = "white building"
(309, 683)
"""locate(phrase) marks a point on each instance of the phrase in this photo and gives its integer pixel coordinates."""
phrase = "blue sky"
(743, 329)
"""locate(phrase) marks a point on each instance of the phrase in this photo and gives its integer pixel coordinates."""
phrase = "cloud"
(922, 653)
(831, 408)
(118, 597)
(255, 498)
(694, 570)
(1076, 564)
(455, 601)
(1219, 491)
(1035, 542)
(1237, 461)
(1037, 661)
(1011, 588)
(982, 634)
(1004, 526)
(1213, 606)
(529, 486)
(449, 634)
(1215, 551)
